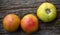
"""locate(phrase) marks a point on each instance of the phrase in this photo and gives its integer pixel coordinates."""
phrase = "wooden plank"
(55, 25)
(23, 7)
(24, 3)
(21, 11)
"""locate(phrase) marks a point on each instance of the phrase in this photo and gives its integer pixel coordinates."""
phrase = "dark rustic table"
(22, 7)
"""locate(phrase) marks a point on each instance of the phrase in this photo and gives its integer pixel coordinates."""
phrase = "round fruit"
(29, 23)
(11, 22)
(46, 12)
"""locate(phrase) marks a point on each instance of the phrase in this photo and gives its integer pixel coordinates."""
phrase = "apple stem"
(48, 11)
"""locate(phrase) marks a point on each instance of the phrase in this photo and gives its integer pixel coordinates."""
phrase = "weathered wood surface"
(22, 7)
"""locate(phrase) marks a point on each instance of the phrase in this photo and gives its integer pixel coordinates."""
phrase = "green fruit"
(29, 23)
(11, 22)
(46, 12)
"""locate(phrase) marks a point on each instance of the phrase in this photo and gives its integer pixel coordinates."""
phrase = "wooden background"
(22, 7)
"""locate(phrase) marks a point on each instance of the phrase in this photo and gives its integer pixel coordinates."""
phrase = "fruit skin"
(41, 13)
(11, 22)
(29, 23)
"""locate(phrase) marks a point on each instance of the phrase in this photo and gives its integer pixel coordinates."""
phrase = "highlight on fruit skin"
(46, 12)
(11, 22)
(29, 23)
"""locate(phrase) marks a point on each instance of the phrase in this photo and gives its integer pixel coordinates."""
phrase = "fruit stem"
(48, 11)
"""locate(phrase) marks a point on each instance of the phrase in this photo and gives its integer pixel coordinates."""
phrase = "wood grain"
(23, 7)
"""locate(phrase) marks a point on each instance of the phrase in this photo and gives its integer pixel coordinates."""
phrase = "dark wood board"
(23, 7)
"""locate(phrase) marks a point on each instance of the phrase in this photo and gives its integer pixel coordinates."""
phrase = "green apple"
(46, 12)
